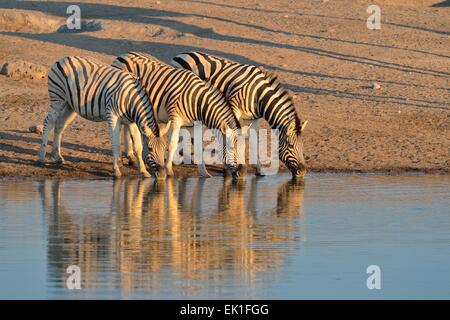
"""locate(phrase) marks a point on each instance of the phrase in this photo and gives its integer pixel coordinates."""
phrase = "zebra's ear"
(304, 125)
(271, 76)
(163, 130)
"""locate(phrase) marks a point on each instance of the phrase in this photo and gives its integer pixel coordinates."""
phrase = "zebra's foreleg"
(231, 154)
(222, 139)
(128, 145)
(114, 131)
(49, 124)
(65, 118)
(173, 144)
(137, 147)
(255, 126)
(203, 172)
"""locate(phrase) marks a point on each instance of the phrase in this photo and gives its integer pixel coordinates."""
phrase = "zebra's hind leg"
(228, 140)
(114, 132)
(173, 144)
(128, 142)
(255, 125)
(203, 172)
(49, 123)
(137, 146)
(65, 118)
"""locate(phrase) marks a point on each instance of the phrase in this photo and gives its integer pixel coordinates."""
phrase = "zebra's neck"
(275, 105)
(215, 111)
(140, 112)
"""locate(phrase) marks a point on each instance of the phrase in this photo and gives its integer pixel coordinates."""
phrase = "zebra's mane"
(275, 83)
(217, 93)
(277, 87)
(148, 57)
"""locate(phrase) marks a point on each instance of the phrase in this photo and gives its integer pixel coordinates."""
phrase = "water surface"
(194, 238)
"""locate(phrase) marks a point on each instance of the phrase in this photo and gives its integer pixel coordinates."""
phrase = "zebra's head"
(277, 107)
(291, 148)
(232, 166)
(154, 153)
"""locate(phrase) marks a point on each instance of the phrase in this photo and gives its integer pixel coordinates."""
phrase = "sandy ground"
(322, 50)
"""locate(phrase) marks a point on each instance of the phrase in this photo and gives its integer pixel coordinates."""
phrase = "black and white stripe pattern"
(253, 94)
(180, 97)
(81, 86)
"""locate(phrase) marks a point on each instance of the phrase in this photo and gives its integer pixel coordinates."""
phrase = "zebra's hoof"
(117, 175)
(40, 162)
(205, 175)
(146, 175)
(132, 161)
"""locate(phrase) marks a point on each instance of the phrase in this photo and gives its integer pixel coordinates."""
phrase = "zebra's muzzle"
(235, 173)
(239, 173)
(161, 175)
(299, 174)
(157, 171)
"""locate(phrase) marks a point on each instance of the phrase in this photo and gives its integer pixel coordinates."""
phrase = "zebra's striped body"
(101, 93)
(253, 94)
(180, 97)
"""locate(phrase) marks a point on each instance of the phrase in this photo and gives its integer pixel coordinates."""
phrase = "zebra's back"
(87, 86)
(226, 75)
(174, 88)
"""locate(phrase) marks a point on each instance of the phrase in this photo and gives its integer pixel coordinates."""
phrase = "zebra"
(97, 92)
(253, 93)
(180, 97)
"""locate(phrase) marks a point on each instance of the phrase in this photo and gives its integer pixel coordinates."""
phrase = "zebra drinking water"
(180, 97)
(253, 94)
(81, 86)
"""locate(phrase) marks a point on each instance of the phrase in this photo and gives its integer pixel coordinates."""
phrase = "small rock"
(376, 86)
(157, 33)
(86, 26)
(38, 129)
(23, 69)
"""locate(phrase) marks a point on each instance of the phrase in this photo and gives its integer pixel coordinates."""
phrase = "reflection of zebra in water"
(101, 93)
(253, 94)
(179, 98)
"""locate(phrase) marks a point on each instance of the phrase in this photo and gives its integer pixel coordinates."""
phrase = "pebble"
(376, 86)
(38, 129)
